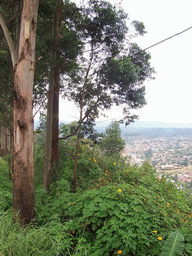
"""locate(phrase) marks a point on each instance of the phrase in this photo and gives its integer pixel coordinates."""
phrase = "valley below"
(169, 150)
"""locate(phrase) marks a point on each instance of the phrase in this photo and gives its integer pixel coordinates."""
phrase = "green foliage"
(121, 208)
(112, 142)
(5, 186)
(68, 45)
(173, 245)
(87, 130)
(131, 217)
(39, 156)
(118, 208)
(139, 27)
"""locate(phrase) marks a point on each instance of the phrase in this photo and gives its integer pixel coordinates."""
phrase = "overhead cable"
(149, 47)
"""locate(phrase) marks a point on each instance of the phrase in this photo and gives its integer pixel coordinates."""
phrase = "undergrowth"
(117, 209)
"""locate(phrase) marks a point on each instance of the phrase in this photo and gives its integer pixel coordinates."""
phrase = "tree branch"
(9, 40)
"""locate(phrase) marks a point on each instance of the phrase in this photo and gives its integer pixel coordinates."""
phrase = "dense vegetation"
(117, 209)
(85, 53)
(89, 199)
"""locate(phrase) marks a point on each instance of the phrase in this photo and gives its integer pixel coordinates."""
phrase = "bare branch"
(9, 40)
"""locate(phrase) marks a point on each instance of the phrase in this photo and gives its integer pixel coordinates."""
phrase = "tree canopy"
(113, 69)
(112, 142)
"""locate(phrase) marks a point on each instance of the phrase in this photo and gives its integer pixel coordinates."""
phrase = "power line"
(168, 38)
(149, 47)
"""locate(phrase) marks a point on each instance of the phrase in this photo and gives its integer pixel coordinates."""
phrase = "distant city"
(169, 150)
(167, 146)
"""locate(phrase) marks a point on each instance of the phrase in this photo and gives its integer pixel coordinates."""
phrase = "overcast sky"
(169, 96)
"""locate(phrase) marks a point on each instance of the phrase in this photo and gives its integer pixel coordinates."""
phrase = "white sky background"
(169, 96)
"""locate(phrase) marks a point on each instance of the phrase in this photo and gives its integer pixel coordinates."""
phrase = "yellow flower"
(178, 211)
(119, 252)
(189, 215)
(105, 174)
(89, 158)
(154, 231)
(160, 238)
(158, 196)
(94, 159)
(114, 163)
(165, 214)
(119, 190)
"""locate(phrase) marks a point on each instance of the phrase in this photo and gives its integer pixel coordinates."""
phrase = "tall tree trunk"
(55, 124)
(76, 159)
(52, 132)
(23, 167)
(47, 165)
(80, 122)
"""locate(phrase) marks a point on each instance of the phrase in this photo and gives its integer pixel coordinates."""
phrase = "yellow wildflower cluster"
(119, 189)
(94, 159)
(119, 252)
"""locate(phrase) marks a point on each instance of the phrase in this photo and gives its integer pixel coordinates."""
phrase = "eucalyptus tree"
(10, 14)
(58, 46)
(23, 59)
(112, 70)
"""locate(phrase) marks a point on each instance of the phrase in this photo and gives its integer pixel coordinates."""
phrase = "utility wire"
(160, 42)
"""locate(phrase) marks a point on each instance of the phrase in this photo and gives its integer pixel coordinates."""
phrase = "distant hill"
(150, 124)
(137, 125)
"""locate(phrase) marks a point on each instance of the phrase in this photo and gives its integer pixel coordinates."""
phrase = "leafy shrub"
(129, 218)
(133, 215)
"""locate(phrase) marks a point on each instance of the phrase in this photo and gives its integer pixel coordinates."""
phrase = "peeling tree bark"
(23, 169)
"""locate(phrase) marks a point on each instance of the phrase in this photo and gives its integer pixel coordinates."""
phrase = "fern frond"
(173, 245)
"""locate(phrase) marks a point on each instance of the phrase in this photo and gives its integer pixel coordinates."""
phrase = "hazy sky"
(169, 96)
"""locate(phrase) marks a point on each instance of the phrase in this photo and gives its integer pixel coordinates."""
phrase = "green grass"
(50, 239)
